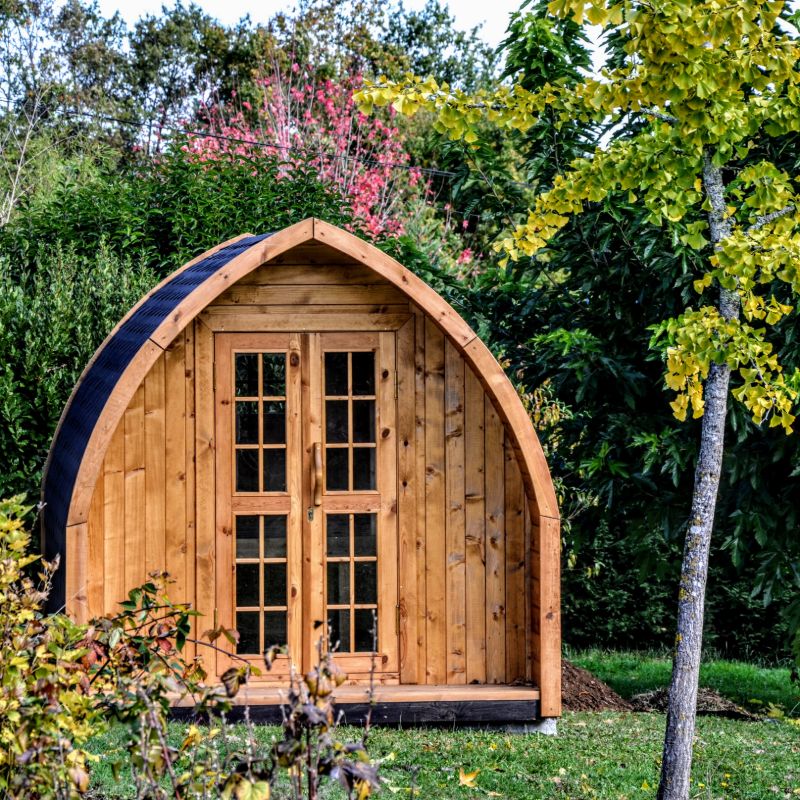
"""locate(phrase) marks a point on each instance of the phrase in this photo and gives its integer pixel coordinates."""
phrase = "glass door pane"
(349, 429)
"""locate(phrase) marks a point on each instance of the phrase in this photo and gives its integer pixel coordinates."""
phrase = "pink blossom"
(315, 123)
(466, 256)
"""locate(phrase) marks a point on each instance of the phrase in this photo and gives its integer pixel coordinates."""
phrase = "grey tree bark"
(682, 707)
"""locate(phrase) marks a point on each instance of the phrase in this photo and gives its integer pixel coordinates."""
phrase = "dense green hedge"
(161, 213)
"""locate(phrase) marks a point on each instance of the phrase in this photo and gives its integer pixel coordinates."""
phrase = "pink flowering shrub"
(309, 122)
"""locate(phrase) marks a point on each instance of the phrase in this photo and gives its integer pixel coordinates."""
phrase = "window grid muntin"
(261, 399)
(260, 561)
(352, 560)
(350, 445)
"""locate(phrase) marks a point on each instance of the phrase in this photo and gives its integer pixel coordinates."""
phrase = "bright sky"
(468, 13)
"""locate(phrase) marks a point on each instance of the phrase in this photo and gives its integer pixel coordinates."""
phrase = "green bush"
(162, 213)
(46, 715)
(52, 318)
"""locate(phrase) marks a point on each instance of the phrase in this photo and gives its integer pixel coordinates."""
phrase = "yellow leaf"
(468, 778)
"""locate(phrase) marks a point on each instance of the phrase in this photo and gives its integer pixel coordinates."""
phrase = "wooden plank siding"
(142, 509)
(477, 598)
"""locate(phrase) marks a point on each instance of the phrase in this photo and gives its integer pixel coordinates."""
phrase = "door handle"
(317, 473)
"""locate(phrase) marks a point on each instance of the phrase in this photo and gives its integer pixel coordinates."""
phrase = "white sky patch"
(493, 17)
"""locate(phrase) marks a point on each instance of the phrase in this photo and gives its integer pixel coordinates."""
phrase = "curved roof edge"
(109, 381)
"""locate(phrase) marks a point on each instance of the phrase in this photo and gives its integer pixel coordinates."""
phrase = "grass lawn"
(606, 755)
(752, 686)
(609, 755)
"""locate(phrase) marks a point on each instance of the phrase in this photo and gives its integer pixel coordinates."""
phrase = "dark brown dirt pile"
(581, 691)
(708, 702)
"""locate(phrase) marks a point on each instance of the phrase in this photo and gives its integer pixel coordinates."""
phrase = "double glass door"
(306, 497)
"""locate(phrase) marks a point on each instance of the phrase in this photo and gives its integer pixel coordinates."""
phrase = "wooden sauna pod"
(297, 428)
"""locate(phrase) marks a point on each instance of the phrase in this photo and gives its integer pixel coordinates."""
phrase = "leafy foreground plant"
(61, 683)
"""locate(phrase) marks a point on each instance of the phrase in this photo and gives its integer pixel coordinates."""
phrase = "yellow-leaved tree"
(700, 86)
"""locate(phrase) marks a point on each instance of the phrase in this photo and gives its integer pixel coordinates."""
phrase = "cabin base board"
(494, 706)
(510, 715)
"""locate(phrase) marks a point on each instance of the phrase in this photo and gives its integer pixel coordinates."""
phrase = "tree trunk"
(682, 708)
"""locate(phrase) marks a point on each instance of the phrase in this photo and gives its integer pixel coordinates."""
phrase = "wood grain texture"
(350, 318)
(495, 547)
(205, 513)
(407, 506)
(313, 533)
(535, 472)
(420, 532)
(190, 499)
(326, 295)
(224, 584)
(114, 588)
(301, 273)
(155, 510)
(515, 568)
(435, 517)
(387, 486)
(175, 534)
(95, 578)
(550, 616)
(135, 547)
(435, 307)
(475, 529)
(76, 584)
(455, 579)
(294, 486)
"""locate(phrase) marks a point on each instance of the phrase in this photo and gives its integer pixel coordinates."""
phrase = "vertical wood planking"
(135, 553)
(407, 506)
(77, 556)
(387, 485)
(455, 533)
(420, 476)
(294, 486)
(114, 521)
(189, 461)
(313, 530)
(155, 467)
(205, 576)
(224, 565)
(515, 568)
(96, 573)
(175, 467)
(536, 588)
(495, 547)
(435, 518)
(529, 600)
(475, 529)
(550, 617)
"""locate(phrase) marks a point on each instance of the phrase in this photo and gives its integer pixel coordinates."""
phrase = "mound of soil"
(581, 691)
(708, 702)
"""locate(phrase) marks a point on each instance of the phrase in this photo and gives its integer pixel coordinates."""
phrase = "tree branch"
(651, 112)
(767, 218)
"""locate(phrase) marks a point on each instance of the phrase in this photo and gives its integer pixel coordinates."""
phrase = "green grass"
(754, 687)
(614, 756)
(606, 756)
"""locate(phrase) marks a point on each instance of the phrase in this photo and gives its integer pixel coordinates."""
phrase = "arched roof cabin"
(297, 428)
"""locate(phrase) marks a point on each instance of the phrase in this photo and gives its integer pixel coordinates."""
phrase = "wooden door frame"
(289, 502)
(305, 555)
